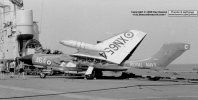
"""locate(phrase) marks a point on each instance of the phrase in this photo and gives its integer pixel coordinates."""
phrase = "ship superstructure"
(19, 34)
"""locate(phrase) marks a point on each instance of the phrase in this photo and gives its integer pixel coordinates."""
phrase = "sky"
(92, 20)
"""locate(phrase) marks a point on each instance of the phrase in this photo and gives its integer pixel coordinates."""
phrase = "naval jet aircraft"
(113, 50)
(158, 62)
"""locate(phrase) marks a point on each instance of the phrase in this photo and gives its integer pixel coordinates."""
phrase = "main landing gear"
(153, 78)
(42, 75)
(94, 75)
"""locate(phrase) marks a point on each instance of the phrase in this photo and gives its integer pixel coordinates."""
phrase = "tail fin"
(167, 54)
(120, 46)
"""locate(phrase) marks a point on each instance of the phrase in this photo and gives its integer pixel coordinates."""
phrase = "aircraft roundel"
(49, 62)
(186, 46)
(128, 35)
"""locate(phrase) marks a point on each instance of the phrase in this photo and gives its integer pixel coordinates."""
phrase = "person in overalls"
(21, 70)
(12, 69)
(2, 70)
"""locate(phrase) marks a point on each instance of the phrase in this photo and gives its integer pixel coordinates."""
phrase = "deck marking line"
(55, 92)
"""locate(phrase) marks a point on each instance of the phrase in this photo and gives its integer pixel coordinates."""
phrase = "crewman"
(12, 69)
(21, 70)
(2, 70)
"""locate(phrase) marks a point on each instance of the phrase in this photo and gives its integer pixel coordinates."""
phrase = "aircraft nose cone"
(26, 59)
(62, 42)
(67, 42)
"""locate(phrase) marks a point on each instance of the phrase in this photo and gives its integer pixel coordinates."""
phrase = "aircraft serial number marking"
(117, 44)
(43, 60)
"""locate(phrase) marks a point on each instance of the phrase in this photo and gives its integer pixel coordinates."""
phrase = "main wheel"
(154, 78)
(125, 75)
(98, 74)
(42, 75)
(91, 76)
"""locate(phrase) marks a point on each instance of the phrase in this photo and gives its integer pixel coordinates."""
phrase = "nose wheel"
(42, 75)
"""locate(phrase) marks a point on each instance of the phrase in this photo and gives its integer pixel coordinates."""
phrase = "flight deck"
(65, 88)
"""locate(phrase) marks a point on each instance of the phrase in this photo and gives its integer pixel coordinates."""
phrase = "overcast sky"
(91, 20)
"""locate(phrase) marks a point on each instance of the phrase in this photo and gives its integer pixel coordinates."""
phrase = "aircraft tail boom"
(167, 54)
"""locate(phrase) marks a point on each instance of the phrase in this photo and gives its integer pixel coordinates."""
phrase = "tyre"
(154, 78)
(98, 74)
(42, 75)
(89, 77)
(124, 75)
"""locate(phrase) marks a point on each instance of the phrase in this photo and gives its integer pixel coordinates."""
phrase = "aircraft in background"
(116, 50)
(157, 62)
(112, 50)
